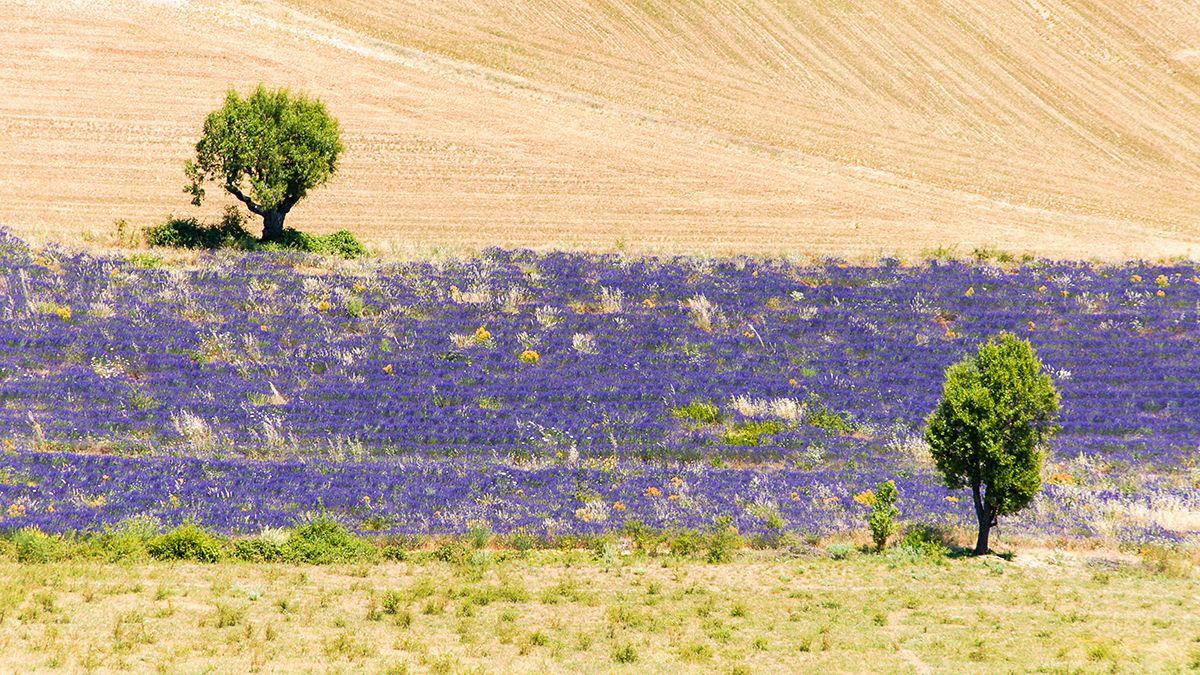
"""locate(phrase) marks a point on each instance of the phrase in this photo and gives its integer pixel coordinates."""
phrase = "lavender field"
(560, 394)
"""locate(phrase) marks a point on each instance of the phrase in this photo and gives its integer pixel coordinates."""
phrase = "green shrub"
(925, 541)
(324, 541)
(724, 541)
(341, 243)
(626, 653)
(453, 551)
(257, 549)
(883, 513)
(751, 433)
(840, 550)
(231, 232)
(128, 539)
(191, 233)
(35, 546)
(646, 539)
(701, 412)
(186, 542)
(686, 543)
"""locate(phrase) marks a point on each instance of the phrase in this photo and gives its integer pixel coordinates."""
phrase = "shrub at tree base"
(190, 233)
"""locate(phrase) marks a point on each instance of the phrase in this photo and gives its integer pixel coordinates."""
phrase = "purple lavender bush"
(564, 393)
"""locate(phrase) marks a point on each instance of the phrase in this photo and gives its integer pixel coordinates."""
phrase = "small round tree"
(268, 151)
(988, 432)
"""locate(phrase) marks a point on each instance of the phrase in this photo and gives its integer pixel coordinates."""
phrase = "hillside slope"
(1064, 128)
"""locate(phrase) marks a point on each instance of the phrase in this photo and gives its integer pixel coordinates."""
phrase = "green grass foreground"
(556, 611)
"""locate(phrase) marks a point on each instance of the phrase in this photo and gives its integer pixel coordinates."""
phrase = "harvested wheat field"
(1066, 129)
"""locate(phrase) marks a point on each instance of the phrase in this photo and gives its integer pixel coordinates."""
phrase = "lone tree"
(268, 151)
(988, 432)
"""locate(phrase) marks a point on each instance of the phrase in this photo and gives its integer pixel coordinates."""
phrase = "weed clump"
(186, 542)
(325, 541)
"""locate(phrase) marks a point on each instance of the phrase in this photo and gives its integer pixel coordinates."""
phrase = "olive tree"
(267, 150)
(989, 431)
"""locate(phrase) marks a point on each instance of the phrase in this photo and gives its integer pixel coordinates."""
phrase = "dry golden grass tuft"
(1051, 126)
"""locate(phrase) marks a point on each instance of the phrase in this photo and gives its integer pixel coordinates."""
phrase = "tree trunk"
(273, 225)
(983, 513)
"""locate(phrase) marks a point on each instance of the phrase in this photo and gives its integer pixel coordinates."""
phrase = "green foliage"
(701, 412)
(645, 539)
(325, 541)
(257, 549)
(626, 653)
(987, 433)
(883, 513)
(341, 243)
(192, 234)
(35, 546)
(840, 550)
(751, 433)
(127, 540)
(686, 543)
(822, 417)
(186, 542)
(724, 542)
(925, 541)
(267, 150)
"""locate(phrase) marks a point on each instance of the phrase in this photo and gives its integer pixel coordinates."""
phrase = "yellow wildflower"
(16, 510)
(1162, 281)
(64, 313)
(1135, 278)
(1061, 478)
(649, 303)
(359, 287)
(618, 506)
(1041, 289)
(1160, 293)
(653, 492)
(388, 369)
(529, 356)
(970, 291)
(866, 498)
(793, 382)
(1032, 325)
(324, 305)
(795, 496)
(952, 499)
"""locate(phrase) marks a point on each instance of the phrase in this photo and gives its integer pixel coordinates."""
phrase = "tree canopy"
(268, 150)
(989, 431)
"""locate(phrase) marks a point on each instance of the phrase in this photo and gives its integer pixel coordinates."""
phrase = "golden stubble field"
(1062, 128)
(566, 612)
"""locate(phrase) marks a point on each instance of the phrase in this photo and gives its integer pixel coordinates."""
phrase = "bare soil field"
(1063, 128)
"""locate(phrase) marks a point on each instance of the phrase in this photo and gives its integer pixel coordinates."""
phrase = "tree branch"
(254, 208)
